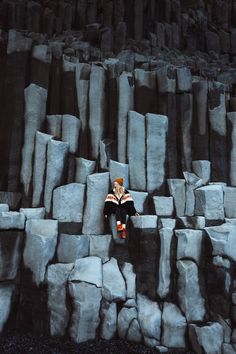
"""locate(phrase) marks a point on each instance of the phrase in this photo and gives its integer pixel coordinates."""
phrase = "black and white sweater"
(112, 202)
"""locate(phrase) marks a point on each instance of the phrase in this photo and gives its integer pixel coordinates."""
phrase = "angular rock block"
(4, 208)
(223, 240)
(33, 213)
(100, 246)
(72, 247)
(228, 349)
(70, 132)
(184, 79)
(125, 320)
(125, 87)
(97, 190)
(40, 247)
(54, 125)
(118, 169)
(177, 191)
(6, 295)
(140, 201)
(164, 279)
(209, 202)
(56, 279)
(208, 338)
(86, 299)
(166, 223)
(192, 222)
(10, 254)
(192, 182)
(84, 168)
(190, 299)
(56, 156)
(202, 168)
(174, 326)
(130, 280)
(230, 202)
(96, 107)
(68, 203)
(113, 288)
(189, 244)
(12, 220)
(89, 270)
(164, 206)
(157, 126)
(35, 110)
(109, 320)
(136, 151)
(166, 79)
(149, 316)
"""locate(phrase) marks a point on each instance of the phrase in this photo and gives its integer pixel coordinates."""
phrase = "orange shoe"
(119, 227)
(123, 234)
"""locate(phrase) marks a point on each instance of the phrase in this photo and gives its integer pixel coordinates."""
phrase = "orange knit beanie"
(120, 181)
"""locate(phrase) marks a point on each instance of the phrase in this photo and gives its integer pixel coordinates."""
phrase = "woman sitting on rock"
(119, 202)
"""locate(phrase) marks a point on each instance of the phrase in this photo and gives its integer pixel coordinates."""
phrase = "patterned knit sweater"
(112, 202)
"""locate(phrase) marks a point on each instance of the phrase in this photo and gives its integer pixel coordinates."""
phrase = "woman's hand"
(105, 216)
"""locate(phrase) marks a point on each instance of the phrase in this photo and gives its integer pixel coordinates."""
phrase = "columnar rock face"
(230, 202)
(164, 278)
(192, 182)
(54, 125)
(84, 168)
(109, 320)
(174, 327)
(209, 338)
(114, 288)
(70, 132)
(209, 202)
(189, 244)
(202, 168)
(177, 191)
(72, 247)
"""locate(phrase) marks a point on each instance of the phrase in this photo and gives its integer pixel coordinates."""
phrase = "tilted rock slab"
(6, 294)
(84, 168)
(190, 299)
(202, 168)
(97, 189)
(118, 169)
(109, 320)
(72, 247)
(189, 244)
(126, 328)
(56, 279)
(100, 246)
(177, 191)
(140, 201)
(40, 247)
(210, 202)
(12, 220)
(35, 110)
(70, 132)
(89, 270)
(206, 339)
(164, 206)
(192, 182)
(33, 213)
(113, 288)
(10, 254)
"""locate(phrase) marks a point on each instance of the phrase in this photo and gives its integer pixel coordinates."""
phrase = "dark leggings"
(121, 215)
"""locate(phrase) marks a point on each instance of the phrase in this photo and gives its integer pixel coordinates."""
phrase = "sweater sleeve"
(128, 203)
(110, 204)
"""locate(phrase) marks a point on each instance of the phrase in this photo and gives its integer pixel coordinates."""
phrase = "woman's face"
(115, 184)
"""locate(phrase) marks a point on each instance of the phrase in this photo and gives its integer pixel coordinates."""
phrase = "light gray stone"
(105, 153)
(6, 294)
(125, 87)
(164, 206)
(10, 254)
(192, 182)
(130, 302)
(161, 349)
(136, 151)
(100, 246)
(189, 244)
(151, 342)
(209, 202)
(54, 125)
(125, 317)
(120, 170)
(174, 327)
(164, 272)
(33, 213)
(86, 299)
(166, 223)
(89, 270)
(184, 79)
(12, 220)
(35, 110)
(202, 168)
(70, 132)
(140, 200)
(223, 240)
(109, 320)
(144, 221)
(41, 142)
(4, 208)
(56, 279)
(97, 190)
(72, 247)
(40, 246)
(193, 222)
(190, 299)
(42, 52)
(207, 339)
(230, 202)
(134, 332)
(68, 202)
(166, 79)
(130, 279)
(226, 323)
(96, 107)
(18, 42)
(114, 288)
(219, 261)
(177, 191)
(84, 168)
(157, 126)
(56, 156)
(149, 316)
(228, 349)
(185, 116)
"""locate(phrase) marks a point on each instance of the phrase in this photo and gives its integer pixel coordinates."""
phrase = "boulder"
(54, 125)
(202, 168)
(118, 169)
(84, 168)
(70, 132)
(12, 220)
(100, 246)
(190, 299)
(140, 201)
(88, 270)
(130, 280)
(189, 244)
(164, 269)
(124, 320)
(230, 202)
(209, 202)
(56, 279)
(174, 327)
(41, 240)
(108, 319)
(114, 287)
(33, 213)
(97, 190)
(206, 339)
(223, 240)
(177, 191)
(164, 206)
(72, 247)
(11, 243)
(6, 295)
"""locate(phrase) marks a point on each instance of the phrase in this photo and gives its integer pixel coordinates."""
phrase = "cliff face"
(144, 90)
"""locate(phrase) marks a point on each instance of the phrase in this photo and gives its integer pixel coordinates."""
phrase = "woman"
(119, 202)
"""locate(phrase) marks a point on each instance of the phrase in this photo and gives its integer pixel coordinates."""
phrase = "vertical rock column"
(68, 88)
(232, 146)
(125, 103)
(96, 108)
(54, 94)
(40, 65)
(145, 91)
(218, 138)
(35, 110)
